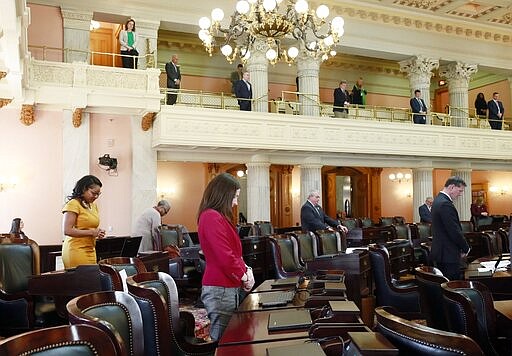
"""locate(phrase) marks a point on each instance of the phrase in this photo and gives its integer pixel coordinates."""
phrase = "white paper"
(124, 276)
(490, 265)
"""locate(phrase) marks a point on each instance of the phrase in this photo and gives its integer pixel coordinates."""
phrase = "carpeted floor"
(202, 328)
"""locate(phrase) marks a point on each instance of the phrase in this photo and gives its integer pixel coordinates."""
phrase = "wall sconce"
(408, 194)
(165, 192)
(499, 190)
(7, 184)
(399, 177)
(295, 192)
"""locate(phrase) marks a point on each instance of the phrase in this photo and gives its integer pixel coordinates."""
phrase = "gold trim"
(2, 75)
(77, 117)
(4, 102)
(27, 114)
(147, 121)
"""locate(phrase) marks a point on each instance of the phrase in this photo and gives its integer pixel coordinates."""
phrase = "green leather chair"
(285, 255)
(308, 246)
(331, 242)
(116, 313)
(81, 340)
(112, 267)
(168, 331)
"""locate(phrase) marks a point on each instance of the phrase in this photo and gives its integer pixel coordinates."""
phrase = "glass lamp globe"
(337, 23)
(226, 50)
(333, 53)
(322, 12)
(293, 52)
(407, 176)
(392, 176)
(325, 57)
(203, 34)
(204, 23)
(217, 15)
(243, 7)
(328, 41)
(271, 54)
(269, 5)
(399, 175)
(301, 6)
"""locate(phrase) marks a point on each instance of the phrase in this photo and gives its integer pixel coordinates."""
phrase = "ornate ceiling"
(482, 11)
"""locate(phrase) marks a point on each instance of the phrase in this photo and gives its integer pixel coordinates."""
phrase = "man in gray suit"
(173, 79)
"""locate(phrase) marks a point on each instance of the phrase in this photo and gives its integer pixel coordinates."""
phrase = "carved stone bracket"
(147, 121)
(458, 70)
(77, 117)
(4, 102)
(27, 114)
(2, 75)
(419, 65)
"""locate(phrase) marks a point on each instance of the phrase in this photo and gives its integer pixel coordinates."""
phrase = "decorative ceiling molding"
(469, 31)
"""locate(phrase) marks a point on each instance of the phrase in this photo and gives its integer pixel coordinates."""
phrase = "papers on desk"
(491, 265)
(351, 249)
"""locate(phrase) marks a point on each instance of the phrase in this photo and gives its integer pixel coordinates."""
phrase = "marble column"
(76, 35)
(310, 179)
(457, 75)
(75, 151)
(463, 203)
(147, 32)
(258, 190)
(422, 188)
(419, 71)
(308, 68)
(257, 66)
(144, 166)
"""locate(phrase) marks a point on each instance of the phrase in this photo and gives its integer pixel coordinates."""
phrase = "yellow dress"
(80, 250)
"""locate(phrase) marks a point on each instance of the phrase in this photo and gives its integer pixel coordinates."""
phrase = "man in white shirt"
(243, 92)
(495, 110)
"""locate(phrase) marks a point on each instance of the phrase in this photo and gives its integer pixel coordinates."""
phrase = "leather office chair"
(263, 228)
(385, 221)
(467, 226)
(350, 223)
(157, 296)
(476, 241)
(505, 243)
(116, 313)
(470, 311)
(482, 223)
(429, 280)
(366, 222)
(285, 256)
(403, 231)
(308, 246)
(493, 243)
(61, 340)
(404, 297)
(415, 339)
(331, 242)
(398, 220)
(112, 267)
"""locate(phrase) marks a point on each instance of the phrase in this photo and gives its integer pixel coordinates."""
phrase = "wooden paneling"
(101, 41)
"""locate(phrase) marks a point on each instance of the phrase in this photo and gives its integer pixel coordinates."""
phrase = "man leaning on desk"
(313, 218)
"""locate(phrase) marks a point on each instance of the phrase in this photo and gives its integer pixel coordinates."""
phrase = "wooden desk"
(246, 328)
(499, 283)
(504, 307)
(254, 349)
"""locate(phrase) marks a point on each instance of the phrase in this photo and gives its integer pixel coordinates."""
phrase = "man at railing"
(418, 108)
(173, 79)
(496, 110)
(341, 100)
(243, 92)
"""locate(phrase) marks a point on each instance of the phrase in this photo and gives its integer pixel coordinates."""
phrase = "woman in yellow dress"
(80, 223)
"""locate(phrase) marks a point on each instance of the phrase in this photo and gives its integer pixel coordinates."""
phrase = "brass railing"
(56, 54)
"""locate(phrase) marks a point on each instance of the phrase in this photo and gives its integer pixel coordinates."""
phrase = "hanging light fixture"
(399, 177)
(286, 26)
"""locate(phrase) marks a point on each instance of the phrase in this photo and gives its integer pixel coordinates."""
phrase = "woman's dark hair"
(15, 226)
(480, 96)
(82, 185)
(126, 25)
(219, 195)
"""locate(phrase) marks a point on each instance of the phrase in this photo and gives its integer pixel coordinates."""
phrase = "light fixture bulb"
(399, 175)
(392, 176)
(271, 54)
(204, 23)
(322, 12)
(243, 7)
(301, 6)
(240, 174)
(226, 50)
(312, 45)
(328, 41)
(293, 52)
(325, 57)
(217, 15)
(407, 176)
(269, 5)
(333, 53)
(252, 1)
(203, 35)
(337, 23)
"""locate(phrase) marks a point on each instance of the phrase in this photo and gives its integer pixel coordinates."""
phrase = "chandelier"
(399, 177)
(285, 26)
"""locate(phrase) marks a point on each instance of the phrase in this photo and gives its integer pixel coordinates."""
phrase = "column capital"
(419, 65)
(77, 19)
(148, 28)
(458, 70)
(307, 62)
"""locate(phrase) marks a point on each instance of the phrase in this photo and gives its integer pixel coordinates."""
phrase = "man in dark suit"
(419, 108)
(425, 210)
(313, 218)
(341, 100)
(173, 79)
(495, 109)
(448, 242)
(243, 90)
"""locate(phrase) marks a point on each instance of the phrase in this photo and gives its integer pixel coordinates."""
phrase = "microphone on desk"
(497, 263)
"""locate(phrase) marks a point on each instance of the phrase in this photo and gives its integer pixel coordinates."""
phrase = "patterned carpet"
(202, 328)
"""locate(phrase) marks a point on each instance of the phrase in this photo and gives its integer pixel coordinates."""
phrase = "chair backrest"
(330, 242)
(61, 340)
(467, 226)
(505, 243)
(415, 339)
(429, 280)
(157, 295)
(398, 220)
(112, 266)
(171, 235)
(478, 244)
(19, 259)
(350, 223)
(403, 231)
(245, 230)
(493, 242)
(116, 313)
(483, 223)
(470, 311)
(386, 220)
(264, 228)
(285, 254)
(366, 222)
(424, 231)
(308, 245)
